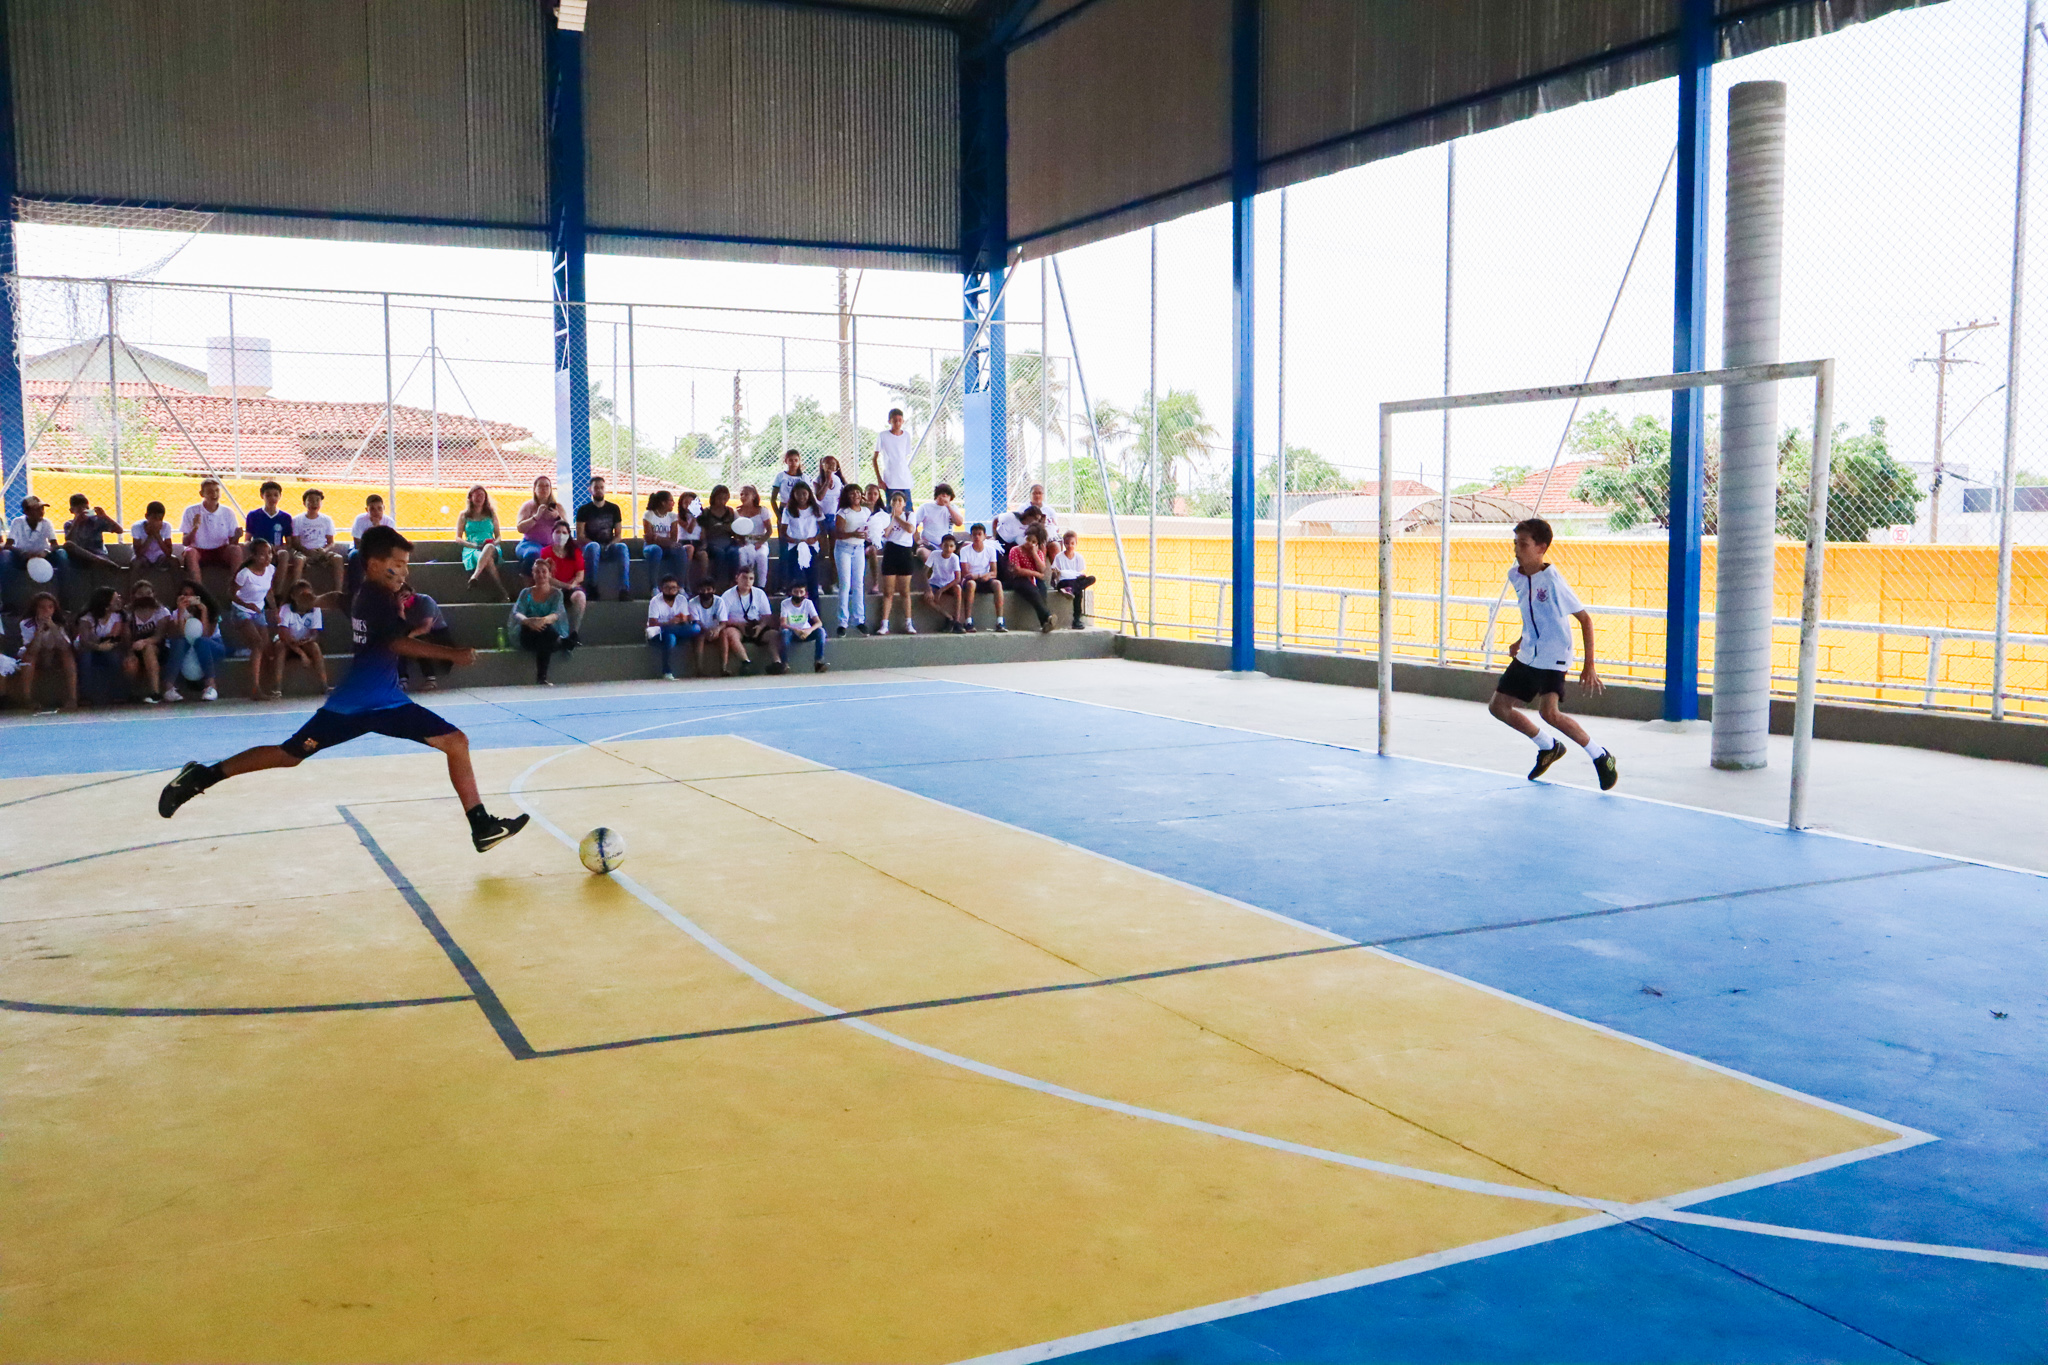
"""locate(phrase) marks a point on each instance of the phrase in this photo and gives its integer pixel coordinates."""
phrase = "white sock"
(1543, 739)
(1596, 750)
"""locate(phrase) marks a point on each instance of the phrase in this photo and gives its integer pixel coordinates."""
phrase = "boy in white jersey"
(1543, 654)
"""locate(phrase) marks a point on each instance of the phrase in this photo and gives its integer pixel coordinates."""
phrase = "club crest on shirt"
(1542, 594)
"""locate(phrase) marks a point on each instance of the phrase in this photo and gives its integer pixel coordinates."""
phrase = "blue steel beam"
(984, 243)
(984, 400)
(13, 426)
(567, 235)
(1697, 44)
(1244, 185)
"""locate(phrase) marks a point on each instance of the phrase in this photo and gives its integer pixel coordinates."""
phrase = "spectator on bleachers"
(1047, 517)
(371, 515)
(33, 536)
(898, 560)
(476, 526)
(828, 488)
(424, 620)
(542, 617)
(944, 589)
(802, 532)
(786, 480)
(210, 533)
(1010, 528)
(696, 566)
(538, 517)
(878, 525)
(46, 648)
(272, 523)
(708, 616)
(661, 536)
(203, 647)
(800, 623)
(936, 520)
(299, 622)
(850, 558)
(1029, 572)
(565, 568)
(249, 618)
(146, 644)
(100, 640)
(754, 545)
(669, 622)
(85, 535)
(313, 539)
(150, 543)
(745, 610)
(981, 563)
(721, 547)
(1070, 573)
(598, 524)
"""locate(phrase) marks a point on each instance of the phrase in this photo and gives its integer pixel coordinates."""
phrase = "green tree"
(1307, 472)
(1867, 488)
(1502, 476)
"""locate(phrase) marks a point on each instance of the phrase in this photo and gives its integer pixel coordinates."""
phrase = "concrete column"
(1745, 560)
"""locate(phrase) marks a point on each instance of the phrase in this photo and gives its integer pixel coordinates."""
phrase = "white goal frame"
(1822, 372)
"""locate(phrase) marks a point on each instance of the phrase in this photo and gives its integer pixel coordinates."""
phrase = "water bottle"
(503, 642)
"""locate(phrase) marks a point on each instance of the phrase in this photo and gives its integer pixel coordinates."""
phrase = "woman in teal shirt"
(477, 528)
(542, 617)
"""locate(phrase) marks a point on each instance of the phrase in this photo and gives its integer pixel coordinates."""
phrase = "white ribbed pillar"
(1745, 556)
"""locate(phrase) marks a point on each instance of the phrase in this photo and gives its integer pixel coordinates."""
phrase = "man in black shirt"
(597, 526)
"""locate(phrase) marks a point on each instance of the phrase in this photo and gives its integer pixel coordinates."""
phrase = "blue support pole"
(984, 405)
(13, 423)
(1244, 184)
(1697, 43)
(566, 245)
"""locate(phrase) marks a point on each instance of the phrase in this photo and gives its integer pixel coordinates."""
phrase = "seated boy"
(800, 622)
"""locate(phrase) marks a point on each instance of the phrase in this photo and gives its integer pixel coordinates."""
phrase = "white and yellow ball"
(603, 850)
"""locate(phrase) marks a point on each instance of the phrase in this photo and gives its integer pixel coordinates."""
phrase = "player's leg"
(1550, 705)
(1508, 711)
(323, 730)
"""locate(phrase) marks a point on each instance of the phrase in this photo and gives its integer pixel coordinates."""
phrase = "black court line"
(1190, 970)
(163, 843)
(66, 791)
(168, 1012)
(486, 998)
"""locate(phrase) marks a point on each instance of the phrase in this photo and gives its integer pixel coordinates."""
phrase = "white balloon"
(190, 668)
(39, 570)
(743, 526)
(193, 630)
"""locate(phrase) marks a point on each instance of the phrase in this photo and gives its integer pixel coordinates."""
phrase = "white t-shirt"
(149, 549)
(828, 495)
(1009, 529)
(252, 588)
(892, 534)
(1051, 523)
(796, 614)
(28, 633)
(658, 524)
(691, 530)
(209, 530)
(878, 527)
(99, 630)
(784, 482)
(706, 614)
(363, 523)
(662, 612)
(1066, 565)
(853, 521)
(799, 525)
(935, 521)
(313, 532)
(142, 622)
(945, 568)
(299, 626)
(978, 562)
(895, 458)
(1547, 604)
(733, 607)
(43, 538)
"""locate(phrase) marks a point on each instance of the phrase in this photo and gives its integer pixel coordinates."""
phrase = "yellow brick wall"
(417, 507)
(1943, 585)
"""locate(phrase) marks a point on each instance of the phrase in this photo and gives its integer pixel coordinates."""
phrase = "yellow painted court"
(395, 1184)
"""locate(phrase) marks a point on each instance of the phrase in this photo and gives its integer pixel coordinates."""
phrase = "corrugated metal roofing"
(778, 125)
(378, 107)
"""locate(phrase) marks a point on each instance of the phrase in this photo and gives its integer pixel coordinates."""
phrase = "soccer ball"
(603, 850)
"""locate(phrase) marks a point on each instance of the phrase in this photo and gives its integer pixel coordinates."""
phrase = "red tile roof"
(1550, 494)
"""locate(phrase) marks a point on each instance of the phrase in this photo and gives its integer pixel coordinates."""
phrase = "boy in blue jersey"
(1543, 654)
(369, 700)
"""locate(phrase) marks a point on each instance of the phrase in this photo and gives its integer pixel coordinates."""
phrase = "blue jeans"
(792, 572)
(667, 562)
(666, 638)
(528, 552)
(816, 642)
(209, 649)
(619, 553)
(850, 557)
(725, 562)
(14, 563)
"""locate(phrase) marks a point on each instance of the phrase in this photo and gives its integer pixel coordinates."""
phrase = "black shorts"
(1526, 684)
(328, 728)
(897, 560)
(983, 586)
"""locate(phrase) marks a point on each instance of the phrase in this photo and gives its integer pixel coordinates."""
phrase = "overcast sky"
(1900, 171)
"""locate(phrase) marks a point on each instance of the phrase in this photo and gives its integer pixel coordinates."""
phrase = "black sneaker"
(1610, 772)
(1544, 759)
(190, 781)
(841, 635)
(777, 669)
(493, 830)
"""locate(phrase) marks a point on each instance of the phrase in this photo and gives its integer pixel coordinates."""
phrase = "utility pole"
(1941, 361)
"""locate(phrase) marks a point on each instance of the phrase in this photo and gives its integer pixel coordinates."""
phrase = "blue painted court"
(1894, 989)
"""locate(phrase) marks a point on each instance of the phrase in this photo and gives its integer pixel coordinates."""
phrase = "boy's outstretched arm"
(1589, 676)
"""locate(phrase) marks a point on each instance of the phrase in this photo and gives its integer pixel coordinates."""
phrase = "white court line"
(1605, 1213)
(1843, 1239)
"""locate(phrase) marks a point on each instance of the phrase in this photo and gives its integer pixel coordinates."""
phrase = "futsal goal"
(1822, 372)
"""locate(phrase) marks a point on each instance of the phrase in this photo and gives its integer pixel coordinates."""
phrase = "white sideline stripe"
(1843, 1239)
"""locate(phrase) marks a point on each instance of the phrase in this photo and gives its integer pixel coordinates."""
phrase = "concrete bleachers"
(614, 646)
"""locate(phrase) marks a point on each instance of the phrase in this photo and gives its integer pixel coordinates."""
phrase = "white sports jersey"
(1547, 604)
